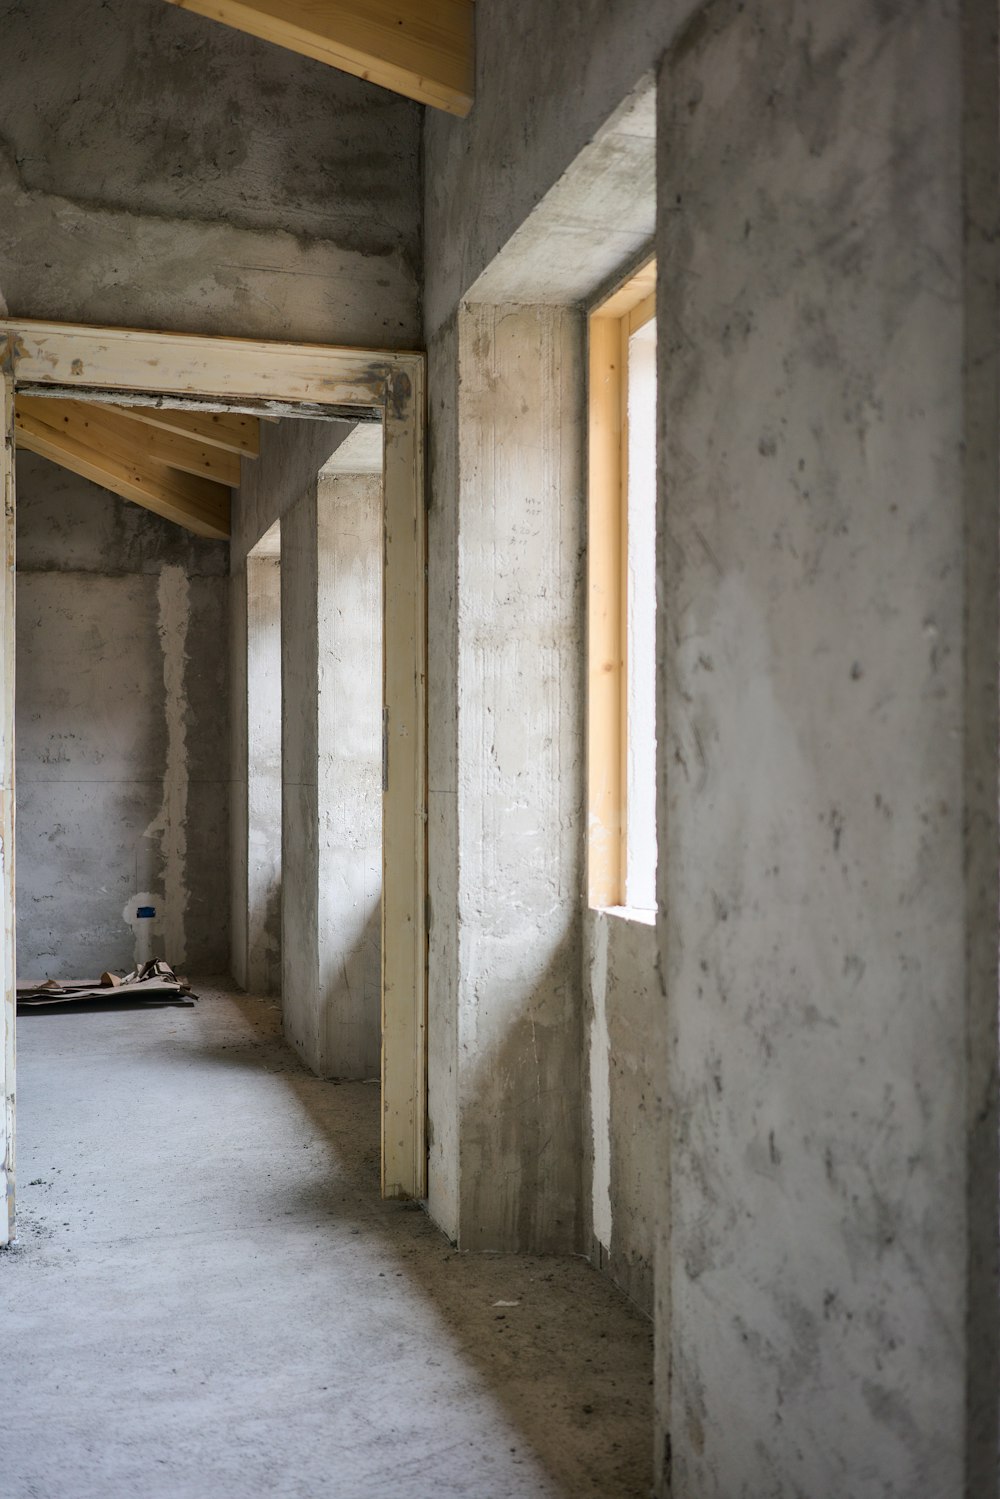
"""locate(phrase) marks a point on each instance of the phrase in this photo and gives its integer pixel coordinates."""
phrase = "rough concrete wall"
(239, 823)
(625, 1022)
(292, 452)
(443, 1064)
(519, 787)
(160, 170)
(121, 723)
(548, 78)
(331, 876)
(534, 200)
(300, 827)
(828, 672)
(349, 891)
(263, 688)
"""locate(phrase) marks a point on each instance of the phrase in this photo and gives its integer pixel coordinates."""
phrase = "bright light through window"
(640, 716)
(621, 609)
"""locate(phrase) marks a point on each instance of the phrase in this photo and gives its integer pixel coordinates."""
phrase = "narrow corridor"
(208, 1298)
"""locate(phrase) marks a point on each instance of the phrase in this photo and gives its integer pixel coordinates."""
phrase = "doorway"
(46, 359)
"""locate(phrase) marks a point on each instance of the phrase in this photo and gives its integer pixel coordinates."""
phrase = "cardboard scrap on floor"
(154, 981)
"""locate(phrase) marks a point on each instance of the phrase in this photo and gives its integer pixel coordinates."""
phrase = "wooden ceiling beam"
(200, 505)
(229, 431)
(107, 429)
(420, 48)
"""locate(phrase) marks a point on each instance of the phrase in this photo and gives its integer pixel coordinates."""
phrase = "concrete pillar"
(331, 768)
(300, 1000)
(827, 1301)
(263, 678)
(238, 775)
(506, 781)
(350, 772)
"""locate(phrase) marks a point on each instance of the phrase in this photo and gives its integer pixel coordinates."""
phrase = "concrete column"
(238, 775)
(300, 1000)
(331, 768)
(444, 1171)
(350, 773)
(507, 783)
(263, 679)
(827, 1316)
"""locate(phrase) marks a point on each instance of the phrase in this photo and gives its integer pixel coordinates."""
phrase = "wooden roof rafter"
(173, 475)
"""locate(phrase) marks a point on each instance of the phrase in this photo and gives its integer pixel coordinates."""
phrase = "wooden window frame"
(610, 326)
(49, 358)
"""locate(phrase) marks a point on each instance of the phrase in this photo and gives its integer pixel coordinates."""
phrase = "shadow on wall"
(520, 1142)
(350, 991)
(265, 940)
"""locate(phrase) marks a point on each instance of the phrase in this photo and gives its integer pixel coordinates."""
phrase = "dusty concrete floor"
(207, 1297)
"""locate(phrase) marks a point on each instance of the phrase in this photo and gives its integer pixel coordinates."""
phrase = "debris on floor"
(154, 981)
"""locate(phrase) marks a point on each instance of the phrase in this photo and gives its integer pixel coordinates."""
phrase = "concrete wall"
(301, 1004)
(331, 665)
(121, 727)
(825, 1208)
(292, 452)
(330, 753)
(263, 894)
(828, 780)
(506, 781)
(160, 170)
(624, 1019)
(510, 977)
(350, 773)
(549, 78)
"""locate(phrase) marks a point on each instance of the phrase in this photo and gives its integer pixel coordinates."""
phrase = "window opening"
(622, 598)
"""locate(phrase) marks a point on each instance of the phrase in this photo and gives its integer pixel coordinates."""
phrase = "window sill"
(627, 913)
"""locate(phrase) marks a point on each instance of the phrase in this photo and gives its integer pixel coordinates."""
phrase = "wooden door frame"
(43, 357)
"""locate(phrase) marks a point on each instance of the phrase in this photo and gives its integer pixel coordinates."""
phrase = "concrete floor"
(207, 1297)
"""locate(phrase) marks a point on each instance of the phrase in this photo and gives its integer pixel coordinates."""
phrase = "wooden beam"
(8, 996)
(71, 357)
(420, 48)
(110, 431)
(75, 357)
(226, 432)
(200, 505)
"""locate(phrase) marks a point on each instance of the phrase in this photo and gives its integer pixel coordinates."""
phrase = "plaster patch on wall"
(170, 823)
(144, 928)
(600, 1085)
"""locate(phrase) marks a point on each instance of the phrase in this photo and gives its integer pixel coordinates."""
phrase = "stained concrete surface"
(828, 771)
(121, 723)
(160, 170)
(208, 1297)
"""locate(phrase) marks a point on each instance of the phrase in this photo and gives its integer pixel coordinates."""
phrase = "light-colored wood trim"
(74, 357)
(112, 433)
(200, 505)
(7, 967)
(70, 356)
(217, 431)
(404, 809)
(606, 674)
(610, 326)
(639, 286)
(642, 313)
(422, 50)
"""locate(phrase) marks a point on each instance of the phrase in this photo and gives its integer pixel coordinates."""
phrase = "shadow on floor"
(567, 1358)
(571, 1360)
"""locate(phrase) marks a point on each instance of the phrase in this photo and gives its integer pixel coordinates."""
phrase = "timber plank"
(111, 432)
(200, 505)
